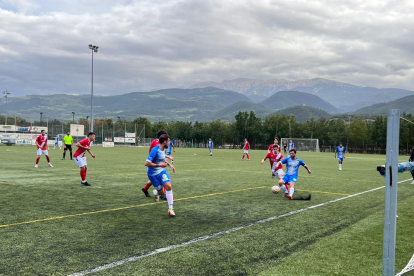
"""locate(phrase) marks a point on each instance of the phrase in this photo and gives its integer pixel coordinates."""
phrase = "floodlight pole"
(6, 96)
(391, 186)
(94, 49)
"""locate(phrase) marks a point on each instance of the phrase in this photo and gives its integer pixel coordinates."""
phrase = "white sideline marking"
(164, 249)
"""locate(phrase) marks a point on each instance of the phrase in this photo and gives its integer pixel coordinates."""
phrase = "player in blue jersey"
(341, 154)
(291, 145)
(168, 151)
(157, 173)
(210, 146)
(57, 142)
(287, 183)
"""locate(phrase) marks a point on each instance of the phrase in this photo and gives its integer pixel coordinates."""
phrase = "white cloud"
(146, 45)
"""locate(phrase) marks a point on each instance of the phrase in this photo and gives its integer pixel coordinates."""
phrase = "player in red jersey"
(80, 158)
(155, 143)
(275, 143)
(274, 157)
(246, 149)
(42, 147)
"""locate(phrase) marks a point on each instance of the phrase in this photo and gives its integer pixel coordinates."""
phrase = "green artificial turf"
(52, 225)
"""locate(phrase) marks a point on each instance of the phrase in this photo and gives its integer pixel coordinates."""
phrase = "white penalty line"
(164, 249)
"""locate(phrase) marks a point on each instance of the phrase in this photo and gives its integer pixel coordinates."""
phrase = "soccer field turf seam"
(203, 238)
(145, 204)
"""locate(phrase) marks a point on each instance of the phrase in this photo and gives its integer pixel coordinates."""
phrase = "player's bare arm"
(278, 164)
(80, 146)
(264, 159)
(171, 166)
(93, 156)
(169, 157)
(150, 164)
(309, 171)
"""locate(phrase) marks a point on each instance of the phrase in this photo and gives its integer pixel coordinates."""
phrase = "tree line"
(357, 134)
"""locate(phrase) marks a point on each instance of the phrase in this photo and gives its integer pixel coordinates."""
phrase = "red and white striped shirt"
(42, 141)
(80, 152)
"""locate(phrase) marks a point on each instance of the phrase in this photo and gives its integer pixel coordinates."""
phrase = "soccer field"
(52, 225)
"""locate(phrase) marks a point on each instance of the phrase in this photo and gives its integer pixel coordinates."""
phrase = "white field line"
(164, 249)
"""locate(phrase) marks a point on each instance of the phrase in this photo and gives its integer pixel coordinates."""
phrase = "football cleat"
(50, 165)
(145, 192)
(157, 198)
(289, 197)
(163, 197)
(412, 182)
(273, 175)
(171, 213)
(63, 158)
(85, 183)
(340, 169)
(36, 166)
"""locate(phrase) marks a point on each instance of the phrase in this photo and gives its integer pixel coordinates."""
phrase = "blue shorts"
(56, 143)
(159, 180)
(340, 159)
(290, 178)
(210, 148)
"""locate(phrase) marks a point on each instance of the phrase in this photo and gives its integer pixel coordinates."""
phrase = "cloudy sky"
(148, 45)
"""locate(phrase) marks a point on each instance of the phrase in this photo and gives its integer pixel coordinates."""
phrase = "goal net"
(301, 144)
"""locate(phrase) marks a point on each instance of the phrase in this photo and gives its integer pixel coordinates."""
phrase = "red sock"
(48, 159)
(147, 186)
(37, 160)
(83, 175)
(247, 156)
(163, 188)
(287, 187)
(243, 156)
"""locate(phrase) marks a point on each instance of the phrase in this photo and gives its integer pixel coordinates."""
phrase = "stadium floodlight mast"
(41, 113)
(94, 49)
(6, 96)
(73, 119)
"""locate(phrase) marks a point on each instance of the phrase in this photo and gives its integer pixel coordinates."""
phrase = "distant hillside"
(167, 105)
(228, 113)
(405, 104)
(345, 96)
(284, 99)
(304, 113)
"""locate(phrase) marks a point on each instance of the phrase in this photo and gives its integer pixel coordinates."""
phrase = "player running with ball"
(287, 183)
(157, 174)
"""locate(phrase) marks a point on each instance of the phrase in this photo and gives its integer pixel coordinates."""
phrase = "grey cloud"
(147, 45)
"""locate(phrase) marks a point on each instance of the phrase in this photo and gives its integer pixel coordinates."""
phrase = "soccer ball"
(275, 189)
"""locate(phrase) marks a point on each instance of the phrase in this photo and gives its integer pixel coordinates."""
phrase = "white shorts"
(39, 152)
(246, 151)
(80, 161)
(279, 172)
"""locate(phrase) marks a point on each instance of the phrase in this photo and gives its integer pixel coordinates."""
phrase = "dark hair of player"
(161, 132)
(91, 133)
(163, 138)
(43, 131)
(340, 143)
(276, 138)
(293, 150)
(275, 146)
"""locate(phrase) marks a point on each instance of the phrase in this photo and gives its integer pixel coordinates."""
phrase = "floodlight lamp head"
(90, 46)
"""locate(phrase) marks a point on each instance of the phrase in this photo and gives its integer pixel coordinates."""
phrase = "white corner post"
(391, 179)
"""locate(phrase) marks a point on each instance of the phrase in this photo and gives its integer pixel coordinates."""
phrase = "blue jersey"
(341, 151)
(169, 148)
(292, 166)
(210, 144)
(291, 145)
(56, 139)
(156, 156)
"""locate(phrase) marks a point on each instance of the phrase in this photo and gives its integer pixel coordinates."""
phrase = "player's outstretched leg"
(48, 161)
(37, 161)
(83, 176)
(170, 198)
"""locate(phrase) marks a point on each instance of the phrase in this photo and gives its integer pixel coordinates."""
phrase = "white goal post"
(301, 144)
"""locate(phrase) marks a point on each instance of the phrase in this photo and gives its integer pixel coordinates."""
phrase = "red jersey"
(246, 145)
(42, 141)
(278, 158)
(271, 148)
(154, 143)
(81, 152)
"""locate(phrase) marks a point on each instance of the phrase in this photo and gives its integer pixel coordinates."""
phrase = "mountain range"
(346, 97)
(208, 103)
